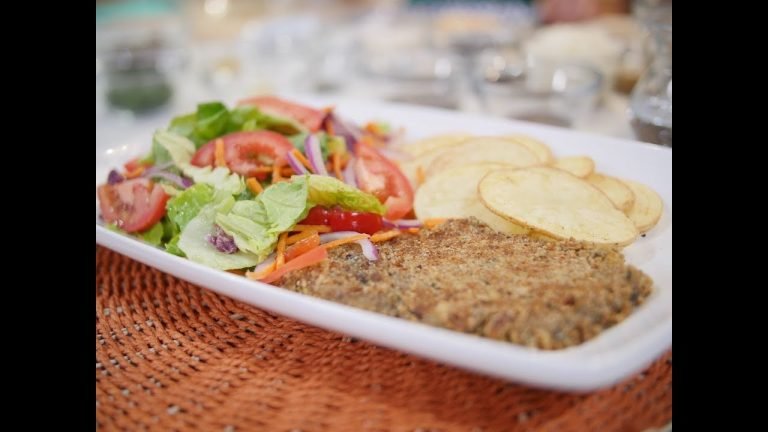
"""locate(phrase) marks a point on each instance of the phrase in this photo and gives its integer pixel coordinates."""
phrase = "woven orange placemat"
(174, 356)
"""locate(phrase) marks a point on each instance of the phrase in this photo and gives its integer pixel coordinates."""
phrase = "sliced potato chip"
(648, 207)
(452, 193)
(432, 143)
(557, 203)
(484, 149)
(541, 150)
(410, 169)
(580, 166)
(621, 195)
(415, 169)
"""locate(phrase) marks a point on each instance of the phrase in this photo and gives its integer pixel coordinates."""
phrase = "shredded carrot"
(413, 230)
(276, 177)
(431, 223)
(328, 109)
(318, 228)
(280, 260)
(261, 274)
(420, 177)
(345, 160)
(302, 159)
(311, 257)
(302, 247)
(373, 141)
(372, 128)
(300, 236)
(135, 173)
(237, 272)
(329, 128)
(346, 240)
(337, 166)
(342, 164)
(367, 140)
(219, 159)
(287, 172)
(266, 169)
(254, 185)
(385, 235)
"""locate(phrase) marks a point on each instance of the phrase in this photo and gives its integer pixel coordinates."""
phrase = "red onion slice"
(338, 235)
(295, 164)
(176, 179)
(156, 168)
(403, 223)
(369, 249)
(315, 155)
(266, 263)
(348, 131)
(349, 173)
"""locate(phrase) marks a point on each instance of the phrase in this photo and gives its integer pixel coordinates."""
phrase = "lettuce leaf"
(193, 243)
(221, 178)
(173, 246)
(173, 146)
(255, 224)
(153, 235)
(298, 142)
(185, 206)
(249, 235)
(183, 125)
(212, 120)
(285, 204)
(329, 191)
(337, 144)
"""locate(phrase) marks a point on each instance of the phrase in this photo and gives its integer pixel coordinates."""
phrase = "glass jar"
(139, 59)
(651, 101)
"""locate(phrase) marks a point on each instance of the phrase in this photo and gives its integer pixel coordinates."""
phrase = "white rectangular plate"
(614, 355)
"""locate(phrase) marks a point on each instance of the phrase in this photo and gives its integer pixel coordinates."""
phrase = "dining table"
(173, 355)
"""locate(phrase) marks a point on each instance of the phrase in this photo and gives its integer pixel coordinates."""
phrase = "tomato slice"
(343, 220)
(379, 176)
(302, 246)
(314, 256)
(317, 216)
(134, 164)
(311, 118)
(133, 205)
(245, 152)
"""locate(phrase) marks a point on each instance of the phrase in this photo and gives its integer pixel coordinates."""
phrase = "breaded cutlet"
(467, 277)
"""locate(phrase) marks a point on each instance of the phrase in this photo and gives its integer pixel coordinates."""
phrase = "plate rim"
(566, 369)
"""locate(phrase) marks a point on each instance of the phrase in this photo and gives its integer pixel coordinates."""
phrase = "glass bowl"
(559, 95)
(423, 77)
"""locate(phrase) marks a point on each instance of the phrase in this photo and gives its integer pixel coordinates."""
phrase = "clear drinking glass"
(651, 101)
(423, 77)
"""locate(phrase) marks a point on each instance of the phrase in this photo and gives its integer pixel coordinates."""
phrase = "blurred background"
(603, 66)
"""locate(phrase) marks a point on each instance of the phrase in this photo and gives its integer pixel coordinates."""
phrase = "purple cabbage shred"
(114, 177)
(222, 241)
